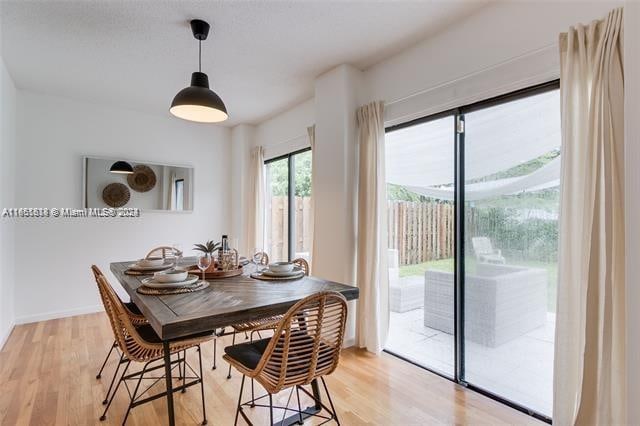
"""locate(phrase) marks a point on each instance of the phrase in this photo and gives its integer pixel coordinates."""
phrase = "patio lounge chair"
(485, 252)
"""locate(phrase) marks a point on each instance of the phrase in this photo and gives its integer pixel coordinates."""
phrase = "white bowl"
(281, 267)
(173, 276)
(151, 262)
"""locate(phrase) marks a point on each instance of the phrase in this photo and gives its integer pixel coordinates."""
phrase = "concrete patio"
(520, 370)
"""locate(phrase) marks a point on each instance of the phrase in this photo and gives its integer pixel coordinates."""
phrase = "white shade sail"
(421, 157)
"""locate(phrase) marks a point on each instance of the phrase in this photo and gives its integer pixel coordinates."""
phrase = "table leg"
(168, 378)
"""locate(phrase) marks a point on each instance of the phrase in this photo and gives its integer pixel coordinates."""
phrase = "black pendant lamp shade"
(198, 102)
(121, 167)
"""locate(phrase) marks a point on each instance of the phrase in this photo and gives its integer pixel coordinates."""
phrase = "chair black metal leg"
(271, 409)
(215, 353)
(99, 375)
(233, 342)
(326, 390)
(246, 336)
(238, 408)
(184, 370)
(204, 410)
(253, 396)
(135, 392)
(113, 379)
(301, 421)
(104, 414)
(179, 366)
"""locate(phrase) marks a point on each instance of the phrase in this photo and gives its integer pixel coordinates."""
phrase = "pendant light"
(121, 167)
(197, 102)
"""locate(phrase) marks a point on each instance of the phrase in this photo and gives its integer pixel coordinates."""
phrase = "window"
(288, 206)
(473, 199)
(179, 191)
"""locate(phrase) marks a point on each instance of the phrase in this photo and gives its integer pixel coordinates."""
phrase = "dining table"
(225, 302)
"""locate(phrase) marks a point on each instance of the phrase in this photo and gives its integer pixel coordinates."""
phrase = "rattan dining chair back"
(302, 264)
(306, 344)
(164, 252)
(264, 258)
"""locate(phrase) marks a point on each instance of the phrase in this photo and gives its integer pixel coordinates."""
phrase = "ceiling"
(261, 57)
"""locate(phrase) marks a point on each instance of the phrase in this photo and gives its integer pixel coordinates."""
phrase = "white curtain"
(589, 370)
(255, 202)
(311, 131)
(372, 272)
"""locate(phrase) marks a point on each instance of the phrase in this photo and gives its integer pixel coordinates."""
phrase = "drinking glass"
(177, 252)
(204, 261)
(257, 258)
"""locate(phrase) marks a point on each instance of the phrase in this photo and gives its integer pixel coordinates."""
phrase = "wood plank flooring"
(47, 377)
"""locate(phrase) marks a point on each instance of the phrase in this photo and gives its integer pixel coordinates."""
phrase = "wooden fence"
(277, 221)
(420, 231)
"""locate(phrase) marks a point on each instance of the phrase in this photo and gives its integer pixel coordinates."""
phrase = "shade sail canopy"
(498, 138)
(545, 177)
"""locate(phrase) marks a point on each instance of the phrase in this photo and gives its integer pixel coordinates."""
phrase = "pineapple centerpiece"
(209, 247)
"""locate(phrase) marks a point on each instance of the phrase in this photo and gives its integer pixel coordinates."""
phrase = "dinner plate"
(295, 272)
(151, 283)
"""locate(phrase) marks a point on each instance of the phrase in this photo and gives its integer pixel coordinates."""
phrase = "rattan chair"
(164, 252)
(136, 319)
(142, 344)
(305, 347)
(302, 264)
(261, 324)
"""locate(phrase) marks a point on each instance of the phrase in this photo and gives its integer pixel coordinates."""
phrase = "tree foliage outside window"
(278, 172)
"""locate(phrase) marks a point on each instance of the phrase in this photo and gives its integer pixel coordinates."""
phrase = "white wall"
(53, 256)
(7, 199)
(632, 200)
(286, 132)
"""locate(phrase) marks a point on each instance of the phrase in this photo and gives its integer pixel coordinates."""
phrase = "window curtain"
(311, 131)
(372, 272)
(589, 370)
(255, 203)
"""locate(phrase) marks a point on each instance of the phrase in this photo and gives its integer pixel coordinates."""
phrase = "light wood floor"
(47, 376)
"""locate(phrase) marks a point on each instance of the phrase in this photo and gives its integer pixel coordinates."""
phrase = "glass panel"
(302, 210)
(277, 210)
(420, 177)
(512, 169)
(179, 195)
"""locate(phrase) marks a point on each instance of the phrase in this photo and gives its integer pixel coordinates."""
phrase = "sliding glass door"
(421, 243)
(473, 235)
(511, 192)
(288, 207)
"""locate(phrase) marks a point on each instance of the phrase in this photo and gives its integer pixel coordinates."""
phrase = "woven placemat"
(200, 285)
(262, 277)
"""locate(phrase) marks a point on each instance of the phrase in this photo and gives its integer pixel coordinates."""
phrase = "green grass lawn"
(470, 266)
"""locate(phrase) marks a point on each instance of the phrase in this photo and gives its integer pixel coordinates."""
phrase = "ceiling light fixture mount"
(198, 102)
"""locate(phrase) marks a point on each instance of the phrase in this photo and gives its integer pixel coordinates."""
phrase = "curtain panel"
(589, 370)
(255, 202)
(372, 273)
(311, 132)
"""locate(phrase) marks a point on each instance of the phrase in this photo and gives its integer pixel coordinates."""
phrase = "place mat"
(262, 277)
(200, 285)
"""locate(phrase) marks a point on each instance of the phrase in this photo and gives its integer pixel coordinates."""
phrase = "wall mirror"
(110, 182)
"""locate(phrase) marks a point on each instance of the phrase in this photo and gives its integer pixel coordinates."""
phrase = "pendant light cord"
(199, 55)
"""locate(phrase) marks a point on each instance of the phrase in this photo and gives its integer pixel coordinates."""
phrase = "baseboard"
(347, 343)
(5, 336)
(59, 314)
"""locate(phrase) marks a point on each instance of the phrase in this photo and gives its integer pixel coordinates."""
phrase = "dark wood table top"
(225, 302)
